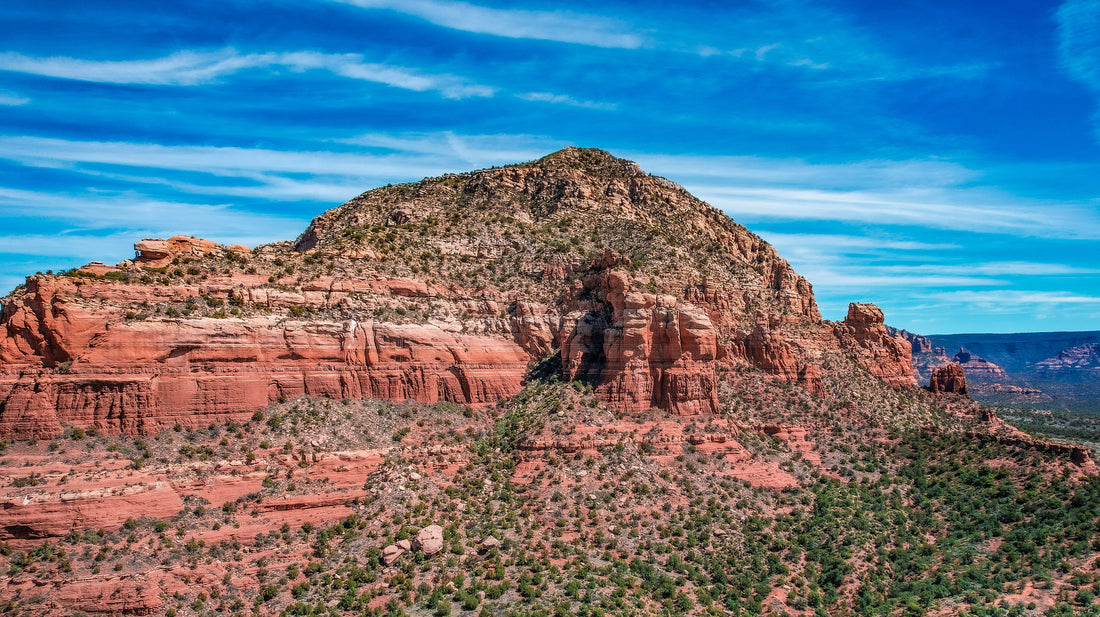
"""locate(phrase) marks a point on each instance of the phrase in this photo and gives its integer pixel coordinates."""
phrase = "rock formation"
(921, 344)
(950, 379)
(156, 253)
(69, 359)
(863, 332)
(639, 349)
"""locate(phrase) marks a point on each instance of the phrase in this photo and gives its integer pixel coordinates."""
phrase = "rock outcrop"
(157, 253)
(863, 333)
(921, 344)
(69, 360)
(950, 379)
(639, 350)
(768, 350)
(115, 597)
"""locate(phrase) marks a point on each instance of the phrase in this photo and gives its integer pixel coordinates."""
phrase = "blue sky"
(938, 158)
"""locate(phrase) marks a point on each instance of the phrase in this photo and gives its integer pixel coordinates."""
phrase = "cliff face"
(70, 359)
(641, 350)
(444, 290)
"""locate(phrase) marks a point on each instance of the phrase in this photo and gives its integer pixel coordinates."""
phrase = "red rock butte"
(449, 289)
(948, 378)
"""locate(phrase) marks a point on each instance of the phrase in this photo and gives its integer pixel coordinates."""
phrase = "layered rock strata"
(67, 360)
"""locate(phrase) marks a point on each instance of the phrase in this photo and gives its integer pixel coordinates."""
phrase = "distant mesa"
(1079, 357)
(976, 365)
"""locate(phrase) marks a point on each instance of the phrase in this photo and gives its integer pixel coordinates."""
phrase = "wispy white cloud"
(810, 64)
(184, 68)
(962, 209)
(190, 68)
(888, 257)
(11, 99)
(219, 161)
(760, 53)
(925, 193)
(130, 212)
(859, 278)
(823, 41)
(75, 228)
(564, 99)
(993, 268)
(285, 175)
(846, 244)
(823, 44)
(756, 170)
(560, 26)
(905, 193)
(834, 272)
(890, 71)
(24, 254)
(107, 247)
(445, 149)
(1014, 300)
(270, 187)
(896, 272)
(1079, 40)
(846, 262)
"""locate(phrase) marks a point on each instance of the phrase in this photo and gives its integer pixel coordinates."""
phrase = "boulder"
(391, 554)
(429, 540)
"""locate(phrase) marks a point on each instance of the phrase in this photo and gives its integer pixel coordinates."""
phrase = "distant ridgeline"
(1047, 370)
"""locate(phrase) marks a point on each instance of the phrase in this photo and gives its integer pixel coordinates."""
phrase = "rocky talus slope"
(448, 289)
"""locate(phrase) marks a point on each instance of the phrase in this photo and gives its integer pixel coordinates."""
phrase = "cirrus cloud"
(191, 68)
